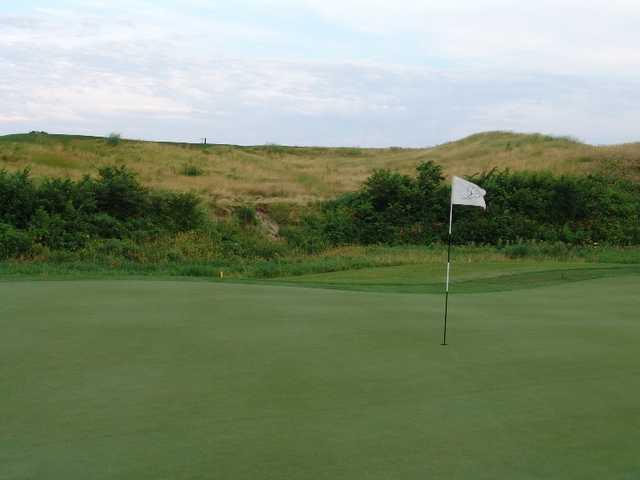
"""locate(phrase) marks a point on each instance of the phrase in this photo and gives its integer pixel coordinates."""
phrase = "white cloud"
(80, 100)
(554, 36)
(8, 118)
(94, 67)
(563, 67)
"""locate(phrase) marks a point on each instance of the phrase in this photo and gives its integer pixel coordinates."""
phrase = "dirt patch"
(270, 228)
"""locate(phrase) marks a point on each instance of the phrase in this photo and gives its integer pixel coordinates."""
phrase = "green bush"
(13, 242)
(391, 208)
(308, 236)
(114, 139)
(18, 198)
(118, 193)
(63, 214)
(111, 219)
(246, 215)
(192, 171)
(175, 211)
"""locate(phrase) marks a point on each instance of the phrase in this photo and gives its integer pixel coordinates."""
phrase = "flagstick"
(446, 295)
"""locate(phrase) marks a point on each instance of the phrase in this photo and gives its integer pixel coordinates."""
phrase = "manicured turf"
(188, 380)
(466, 277)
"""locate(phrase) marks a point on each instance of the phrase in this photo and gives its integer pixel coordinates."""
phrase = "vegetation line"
(114, 223)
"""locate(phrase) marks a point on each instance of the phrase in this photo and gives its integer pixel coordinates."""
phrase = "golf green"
(188, 380)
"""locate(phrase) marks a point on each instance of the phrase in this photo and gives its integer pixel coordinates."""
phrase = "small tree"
(119, 193)
(114, 139)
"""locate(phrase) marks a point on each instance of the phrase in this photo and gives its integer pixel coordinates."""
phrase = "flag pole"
(463, 192)
(446, 294)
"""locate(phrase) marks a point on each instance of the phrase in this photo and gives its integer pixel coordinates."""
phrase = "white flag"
(467, 193)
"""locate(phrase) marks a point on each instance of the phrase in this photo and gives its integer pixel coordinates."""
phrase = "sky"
(381, 73)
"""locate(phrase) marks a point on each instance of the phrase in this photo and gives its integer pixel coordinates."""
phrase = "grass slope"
(376, 268)
(135, 380)
(273, 173)
(488, 276)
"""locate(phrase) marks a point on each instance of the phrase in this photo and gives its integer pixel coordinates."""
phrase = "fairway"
(194, 380)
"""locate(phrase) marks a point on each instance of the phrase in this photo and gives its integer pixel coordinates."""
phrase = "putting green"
(467, 277)
(187, 380)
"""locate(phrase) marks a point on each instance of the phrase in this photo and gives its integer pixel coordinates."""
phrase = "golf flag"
(467, 193)
(462, 193)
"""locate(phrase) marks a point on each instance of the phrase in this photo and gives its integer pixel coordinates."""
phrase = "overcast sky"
(321, 72)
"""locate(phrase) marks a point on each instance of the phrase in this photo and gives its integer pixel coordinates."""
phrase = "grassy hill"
(274, 173)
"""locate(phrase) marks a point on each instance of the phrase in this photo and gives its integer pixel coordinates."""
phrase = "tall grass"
(275, 173)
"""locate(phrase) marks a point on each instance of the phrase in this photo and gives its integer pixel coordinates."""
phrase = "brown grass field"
(227, 174)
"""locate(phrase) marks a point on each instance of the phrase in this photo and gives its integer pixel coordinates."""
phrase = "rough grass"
(275, 173)
(189, 256)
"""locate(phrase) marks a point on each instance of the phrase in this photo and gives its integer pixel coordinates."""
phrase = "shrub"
(307, 237)
(175, 212)
(246, 215)
(391, 208)
(192, 171)
(114, 139)
(284, 213)
(104, 225)
(60, 231)
(18, 198)
(118, 193)
(13, 242)
(63, 214)
(116, 248)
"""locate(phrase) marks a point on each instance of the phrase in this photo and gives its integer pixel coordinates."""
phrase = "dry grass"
(271, 173)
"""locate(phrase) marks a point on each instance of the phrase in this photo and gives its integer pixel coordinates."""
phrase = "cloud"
(126, 68)
(554, 36)
(353, 72)
(4, 118)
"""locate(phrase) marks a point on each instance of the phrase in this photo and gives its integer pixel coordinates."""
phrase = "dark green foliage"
(113, 220)
(17, 198)
(246, 215)
(192, 171)
(174, 212)
(62, 214)
(119, 194)
(392, 208)
(308, 235)
(283, 213)
(541, 206)
(13, 242)
(114, 139)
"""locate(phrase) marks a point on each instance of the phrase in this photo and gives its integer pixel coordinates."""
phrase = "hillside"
(274, 173)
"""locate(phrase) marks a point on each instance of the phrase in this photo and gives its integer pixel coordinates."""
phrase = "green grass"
(192, 171)
(407, 269)
(187, 380)
(468, 277)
